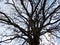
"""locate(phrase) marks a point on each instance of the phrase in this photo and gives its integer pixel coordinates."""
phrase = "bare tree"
(38, 18)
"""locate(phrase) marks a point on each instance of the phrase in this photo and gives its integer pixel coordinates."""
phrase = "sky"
(6, 8)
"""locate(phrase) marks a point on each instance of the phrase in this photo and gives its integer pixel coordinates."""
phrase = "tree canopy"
(32, 19)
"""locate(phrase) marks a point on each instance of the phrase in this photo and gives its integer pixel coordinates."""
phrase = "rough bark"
(34, 41)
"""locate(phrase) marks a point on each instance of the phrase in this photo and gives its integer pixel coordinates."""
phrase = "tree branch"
(52, 23)
(25, 8)
(55, 10)
(21, 16)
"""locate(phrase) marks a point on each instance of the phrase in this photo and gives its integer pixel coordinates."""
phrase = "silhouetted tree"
(34, 18)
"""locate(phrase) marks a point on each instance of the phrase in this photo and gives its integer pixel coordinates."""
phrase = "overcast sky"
(6, 8)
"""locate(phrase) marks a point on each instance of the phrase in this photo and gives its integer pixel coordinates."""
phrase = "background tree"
(32, 19)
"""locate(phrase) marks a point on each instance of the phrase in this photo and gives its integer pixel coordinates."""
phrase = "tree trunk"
(34, 41)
